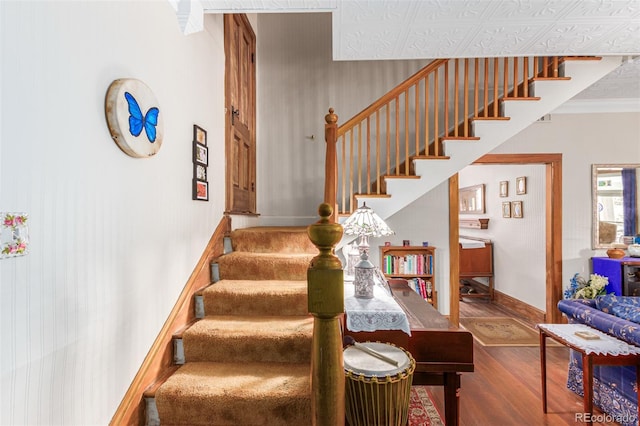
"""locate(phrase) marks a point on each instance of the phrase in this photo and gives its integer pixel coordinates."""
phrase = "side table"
(602, 350)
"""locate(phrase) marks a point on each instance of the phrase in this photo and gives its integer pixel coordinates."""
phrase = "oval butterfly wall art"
(134, 117)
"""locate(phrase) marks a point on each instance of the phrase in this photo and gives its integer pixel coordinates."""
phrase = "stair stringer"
(492, 133)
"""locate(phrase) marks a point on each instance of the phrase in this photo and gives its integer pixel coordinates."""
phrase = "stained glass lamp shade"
(365, 223)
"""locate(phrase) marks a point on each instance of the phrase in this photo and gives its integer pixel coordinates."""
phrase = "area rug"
(422, 412)
(501, 331)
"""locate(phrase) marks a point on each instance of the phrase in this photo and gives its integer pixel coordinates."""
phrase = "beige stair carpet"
(248, 361)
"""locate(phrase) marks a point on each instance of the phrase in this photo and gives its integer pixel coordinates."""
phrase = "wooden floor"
(504, 389)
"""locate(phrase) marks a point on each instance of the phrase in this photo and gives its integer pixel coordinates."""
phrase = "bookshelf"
(416, 264)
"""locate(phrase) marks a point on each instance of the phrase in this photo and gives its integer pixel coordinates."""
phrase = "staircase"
(247, 359)
(372, 156)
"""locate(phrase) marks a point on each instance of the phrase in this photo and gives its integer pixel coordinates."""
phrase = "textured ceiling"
(427, 29)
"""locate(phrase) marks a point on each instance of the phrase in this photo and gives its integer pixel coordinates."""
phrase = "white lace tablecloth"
(605, 345)
(380, 313)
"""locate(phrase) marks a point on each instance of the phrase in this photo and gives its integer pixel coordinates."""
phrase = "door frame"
(553, 230)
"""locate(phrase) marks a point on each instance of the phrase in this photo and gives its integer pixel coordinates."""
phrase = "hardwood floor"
(504, 390)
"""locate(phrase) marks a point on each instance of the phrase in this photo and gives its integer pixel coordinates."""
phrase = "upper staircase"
(442, 119)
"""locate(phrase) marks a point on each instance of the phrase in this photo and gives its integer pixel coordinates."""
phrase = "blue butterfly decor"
(137, 120)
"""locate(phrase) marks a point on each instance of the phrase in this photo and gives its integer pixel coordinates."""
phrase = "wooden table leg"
(451, 398)
(587, 385)
(543, 369)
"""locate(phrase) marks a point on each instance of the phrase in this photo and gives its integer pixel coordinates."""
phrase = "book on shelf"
(423, 287)
(410, 264)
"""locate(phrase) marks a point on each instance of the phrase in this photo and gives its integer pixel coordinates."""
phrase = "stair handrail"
(384, 99)
(460, 103)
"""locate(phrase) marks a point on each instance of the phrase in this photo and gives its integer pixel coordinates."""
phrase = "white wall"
(518, 243)
(113, 239)
(583, 139)
(297, 83)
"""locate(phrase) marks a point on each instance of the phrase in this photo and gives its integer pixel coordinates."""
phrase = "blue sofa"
(614, 388)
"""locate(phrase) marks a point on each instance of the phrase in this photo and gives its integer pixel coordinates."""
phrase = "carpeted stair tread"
(205, 393)
(229, 338)
(269, 239)
(250, 297)
(264, 266)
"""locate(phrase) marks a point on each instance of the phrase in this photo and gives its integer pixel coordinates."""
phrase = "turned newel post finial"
(331, 118)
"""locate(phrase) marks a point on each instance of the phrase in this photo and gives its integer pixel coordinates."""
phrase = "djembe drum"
(377, 390)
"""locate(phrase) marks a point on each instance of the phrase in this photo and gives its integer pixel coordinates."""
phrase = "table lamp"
(364, 223)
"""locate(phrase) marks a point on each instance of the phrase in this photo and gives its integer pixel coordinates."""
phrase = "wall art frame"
(506, 209)
(471, 199)
(504, 188)
(521, 185)
(200, 154)
(200, 172)
(200, 190)
(516, 207)
(134, 117)
(199, 135)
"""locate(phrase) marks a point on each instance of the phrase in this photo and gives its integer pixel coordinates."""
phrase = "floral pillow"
(607, 302)
(627, 311)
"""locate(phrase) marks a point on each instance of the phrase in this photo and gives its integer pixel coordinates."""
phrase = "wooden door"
(240, 98)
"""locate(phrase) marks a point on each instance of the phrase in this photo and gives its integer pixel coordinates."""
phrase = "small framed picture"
(406, 243)
(517, 209)
(199, 135)
(387, 243)
(200, 154)
(200, 190)
(504, 188)
(521, 185)
(200, 172)
(506, 209)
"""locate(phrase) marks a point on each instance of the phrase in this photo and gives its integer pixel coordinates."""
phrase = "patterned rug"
(422, 412)
(501, 331)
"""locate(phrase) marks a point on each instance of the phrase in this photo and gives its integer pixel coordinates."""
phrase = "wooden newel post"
(331, 163)
(325, 284)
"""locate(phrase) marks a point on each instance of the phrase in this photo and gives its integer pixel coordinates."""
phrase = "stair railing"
(411, 121)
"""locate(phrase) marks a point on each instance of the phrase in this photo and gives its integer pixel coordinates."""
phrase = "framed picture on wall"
(471, 199)
(504, 188)
(200, 154)
(506, 209)
(199, 135)
(200, 190)
(517, 209)
(521, 185)
(200, 172)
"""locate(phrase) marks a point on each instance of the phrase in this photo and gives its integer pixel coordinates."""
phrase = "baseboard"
(525, 310)
(160, 356)
(516, 306)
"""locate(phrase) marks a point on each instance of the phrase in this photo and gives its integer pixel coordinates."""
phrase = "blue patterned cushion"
(606, 302)
(627, 311)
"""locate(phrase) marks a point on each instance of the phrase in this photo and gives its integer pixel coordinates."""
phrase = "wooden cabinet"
(415, 264)
(623, 274)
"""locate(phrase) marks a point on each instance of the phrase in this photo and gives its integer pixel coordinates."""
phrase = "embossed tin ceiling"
(411, 29)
